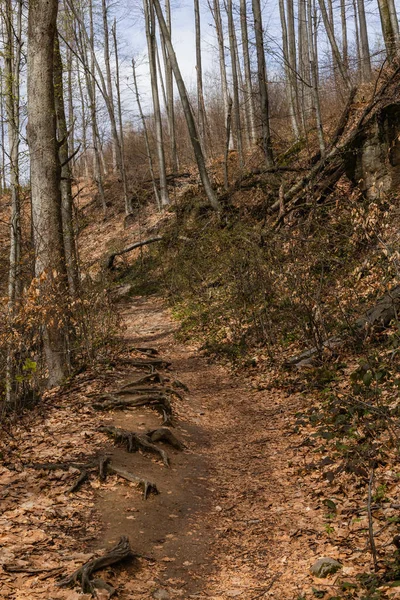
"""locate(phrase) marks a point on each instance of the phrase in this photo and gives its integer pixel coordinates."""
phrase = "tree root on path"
(151, 363)
(134, 441)
(120, 552)
(165, 435)
(159, 402)
(130, 390)
(147, 486)
(155, 377)
(103, 466)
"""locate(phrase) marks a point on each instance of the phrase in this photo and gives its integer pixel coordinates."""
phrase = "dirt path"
(231, 519)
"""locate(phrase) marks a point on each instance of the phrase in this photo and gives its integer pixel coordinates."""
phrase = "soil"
(234, 516)
(230, 516)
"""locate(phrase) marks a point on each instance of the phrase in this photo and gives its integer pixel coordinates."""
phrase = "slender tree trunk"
(345, 47)
(249, 98)
(334, 46)
(169, 85)
(3, 183)
(84, 102)
(151, 45)
(222, 64)
(87, 45)
(235, 84)
(71, 110)
(312, 49)
(45, 178)
(357, 40)
(66, 187)
(366, 71)
(191, 124)
(128, 202)
(12, 61)
(290, 93)
(201, 119)
(146, 138)
(110, 94)
(262, 84)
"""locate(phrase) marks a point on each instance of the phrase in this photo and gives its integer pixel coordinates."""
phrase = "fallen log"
(109, 262)
(120, 552)
(378, 317)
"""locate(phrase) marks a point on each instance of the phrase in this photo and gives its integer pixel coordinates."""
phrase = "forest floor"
(233, 517)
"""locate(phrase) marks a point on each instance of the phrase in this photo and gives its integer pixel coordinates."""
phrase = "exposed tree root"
(165, 435)
(150, 364)
(155, 377)
(103, 467)
(159, 402)
(126, 391)
(147, 351)
(134, 441)
(147, 486)
(121, 551)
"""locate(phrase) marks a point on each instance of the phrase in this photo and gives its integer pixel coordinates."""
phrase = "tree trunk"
(146, 138)
(66, 188)
(45, 177)
(311, 24)
(201, 119)
(249, 98)
(191, 125)
(169, 85)
(114, 141)
(151, 45)
(366, 71)
(290, 95)
(222, 64)
(128, 202)
(334, 46)
(262, 85)
(235, 84)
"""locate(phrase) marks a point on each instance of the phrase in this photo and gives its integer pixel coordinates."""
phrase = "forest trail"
(231, 516)
(234, 517)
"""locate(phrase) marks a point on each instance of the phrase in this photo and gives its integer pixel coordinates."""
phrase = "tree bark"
(45, 177)
(262, 84)
(151, 45)
(249, 98)
(66, 187)
(235, 84)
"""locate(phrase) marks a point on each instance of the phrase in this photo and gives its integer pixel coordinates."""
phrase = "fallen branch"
(120, 552)
(111, 257)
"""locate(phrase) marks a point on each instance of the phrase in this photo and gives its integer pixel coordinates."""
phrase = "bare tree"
(191, 125)
(152, 49)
